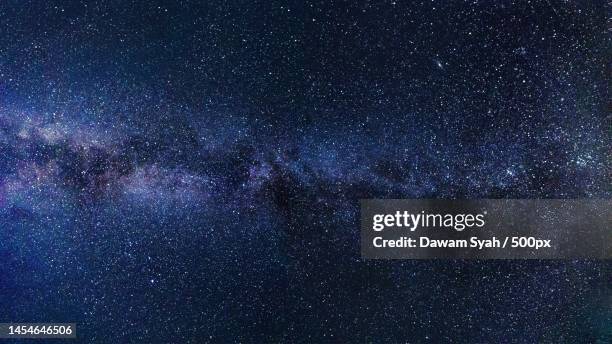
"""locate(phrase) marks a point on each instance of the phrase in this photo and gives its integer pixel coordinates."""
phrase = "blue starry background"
(189, 171)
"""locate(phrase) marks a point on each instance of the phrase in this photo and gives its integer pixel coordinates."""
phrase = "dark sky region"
(189, 171)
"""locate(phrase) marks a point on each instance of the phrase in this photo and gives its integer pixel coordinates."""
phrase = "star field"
(190, 172)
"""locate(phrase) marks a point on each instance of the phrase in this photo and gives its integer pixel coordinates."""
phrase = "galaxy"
(190, 171)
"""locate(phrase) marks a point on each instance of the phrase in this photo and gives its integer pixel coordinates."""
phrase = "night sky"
(190, 171)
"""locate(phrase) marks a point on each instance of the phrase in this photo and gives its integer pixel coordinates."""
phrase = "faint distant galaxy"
(190, 171)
